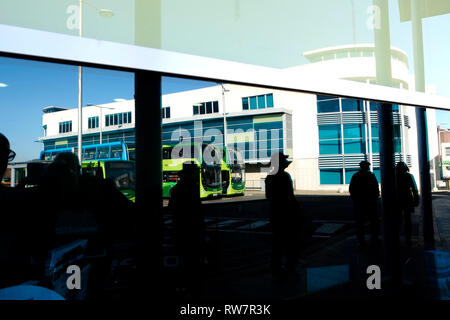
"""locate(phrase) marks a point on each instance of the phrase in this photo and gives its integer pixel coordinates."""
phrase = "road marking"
(227, 223)
(253, 225)
(329, 228)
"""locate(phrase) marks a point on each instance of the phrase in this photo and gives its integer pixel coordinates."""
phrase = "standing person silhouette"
(364, 192)
(14, 258)
(407, 197)
(284, 216)
(189, 226)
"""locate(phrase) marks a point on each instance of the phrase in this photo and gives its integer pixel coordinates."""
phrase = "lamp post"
(100, 122)
(104, 13)
(224, 116)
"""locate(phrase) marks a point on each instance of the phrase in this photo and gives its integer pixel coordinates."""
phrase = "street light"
(101, 118)
(104, 13)
(224, 116)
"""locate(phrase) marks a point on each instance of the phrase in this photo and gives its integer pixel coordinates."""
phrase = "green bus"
(233, 172)
(207, 159)
(121, 172)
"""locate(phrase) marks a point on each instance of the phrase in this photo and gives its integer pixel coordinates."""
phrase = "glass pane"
(349, 174)
(208, 107)
(330, 147)
(261, 102)
(253, 104)
(215, 106)
(244, 103)
(330, 131)
(328, 106)
(331, 176)
(353, 131)
(269, 100)
(354, 146)
(351, 105)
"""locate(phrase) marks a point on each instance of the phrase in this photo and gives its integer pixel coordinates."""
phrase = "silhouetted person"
(407, 197)
(285, 219)
(189, 226)
(364, 192)
(14, 257)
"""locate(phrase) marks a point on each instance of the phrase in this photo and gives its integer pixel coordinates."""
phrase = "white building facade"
(326, 137)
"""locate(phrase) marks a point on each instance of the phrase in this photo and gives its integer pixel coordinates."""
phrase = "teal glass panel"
(351, 105)
(375, 145)
(328, 106)
(354, 146)
(330, 147)
(353, 131)
(253, 104)
(397, 145)
(377, 173)
(349, 174)
(375, 131)
(331, 176)
(332, 131)
(269, 98)
(261, 102)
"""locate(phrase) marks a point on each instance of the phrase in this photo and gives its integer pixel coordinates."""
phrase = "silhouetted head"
(364, 165)
(190, 169)
(62, 175)
(279, 162)
(6, 154)
(401, 168)
(69, 160)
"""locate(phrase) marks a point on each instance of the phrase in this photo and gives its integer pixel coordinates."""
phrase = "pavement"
(332, 267)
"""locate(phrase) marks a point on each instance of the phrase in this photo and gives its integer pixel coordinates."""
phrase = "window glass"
(253, 104)
(351, 105)
(261, 102)
(330, 147)
(328, 106)
(353, 131)
(321, 97)
(269, 100)
(167, 114)
(331, 131)
(208, 107)
(349, 174)
(354, 146)
(244, 103)
(215, 107)
(375, 145)
(202, 108)
(375, 131)
(331, 176)
(195, 109)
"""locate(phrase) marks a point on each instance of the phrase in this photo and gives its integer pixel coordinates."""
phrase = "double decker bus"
(121, 172)
(207, 158)
(233, 172)
(106, 151)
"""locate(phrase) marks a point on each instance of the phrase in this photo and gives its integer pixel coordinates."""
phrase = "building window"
(45, 130)
(65, 126)
(117, 119)
(447, 152)
(93, 122)
(330, 139)
(165, 113)
(257, 102)
(331, 176)
(327, 104)
(205, 108)
(352, 105)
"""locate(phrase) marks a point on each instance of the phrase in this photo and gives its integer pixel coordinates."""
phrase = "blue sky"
(34, 85)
